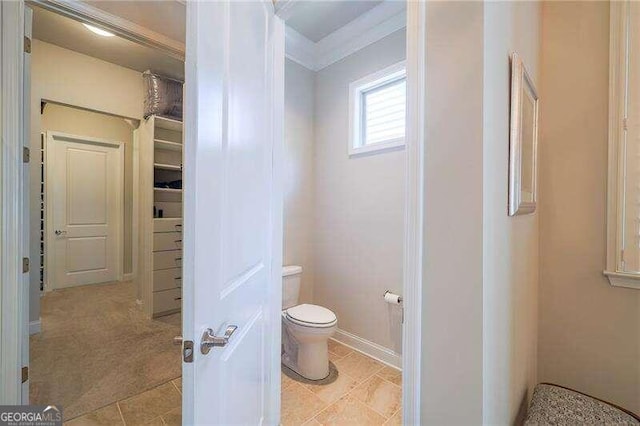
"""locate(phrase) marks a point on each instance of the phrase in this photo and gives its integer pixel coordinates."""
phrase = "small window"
(378, 110)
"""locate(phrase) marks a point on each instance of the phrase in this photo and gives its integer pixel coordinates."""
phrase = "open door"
(232, 213)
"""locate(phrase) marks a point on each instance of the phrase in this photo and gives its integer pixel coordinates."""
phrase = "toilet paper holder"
(392, 298)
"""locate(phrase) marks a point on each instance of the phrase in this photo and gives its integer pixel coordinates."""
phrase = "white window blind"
(384, 112)
(377, 113)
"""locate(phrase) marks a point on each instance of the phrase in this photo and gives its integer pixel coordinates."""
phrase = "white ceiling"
(317, 19)
(167, 17)
(70, 34)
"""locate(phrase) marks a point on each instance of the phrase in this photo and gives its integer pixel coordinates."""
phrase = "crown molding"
(374, 25)
(300, 49)
(84, 12)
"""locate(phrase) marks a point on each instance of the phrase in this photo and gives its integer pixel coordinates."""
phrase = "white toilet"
(305, 330)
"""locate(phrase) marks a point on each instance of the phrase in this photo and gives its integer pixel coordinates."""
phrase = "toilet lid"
(311, 314)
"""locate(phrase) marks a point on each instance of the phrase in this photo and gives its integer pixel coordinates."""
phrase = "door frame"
(416, 30)
(14, 295)
(51, 138)
(11, 106)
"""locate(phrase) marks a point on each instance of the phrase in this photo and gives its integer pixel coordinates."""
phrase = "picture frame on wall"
(523, 141)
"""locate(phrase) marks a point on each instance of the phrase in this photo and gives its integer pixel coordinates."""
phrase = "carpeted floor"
(96, 347)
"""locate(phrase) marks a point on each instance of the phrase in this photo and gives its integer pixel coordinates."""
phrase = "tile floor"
(158, 406)
(365, 392)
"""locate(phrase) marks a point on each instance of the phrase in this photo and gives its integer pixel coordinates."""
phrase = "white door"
(232, 223)
(84, 204)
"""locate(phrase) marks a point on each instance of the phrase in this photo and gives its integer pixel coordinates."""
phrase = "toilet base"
(310, 372)
(305, 350)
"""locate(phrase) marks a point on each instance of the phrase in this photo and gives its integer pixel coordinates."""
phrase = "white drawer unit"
(167, 225)
(167, 279)
(167, 301)
(160, 212)
(163, 241)
(167, 259)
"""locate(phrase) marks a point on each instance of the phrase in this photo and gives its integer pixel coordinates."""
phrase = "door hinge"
(26, 154)
(27, 44)
(25, 265)
(25, 374)
(624, 124)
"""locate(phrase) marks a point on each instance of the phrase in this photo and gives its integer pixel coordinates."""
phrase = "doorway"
(344, 184)
(97, 347)
(413, 346)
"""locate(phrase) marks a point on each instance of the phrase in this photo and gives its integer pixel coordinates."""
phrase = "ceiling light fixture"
(98, 31)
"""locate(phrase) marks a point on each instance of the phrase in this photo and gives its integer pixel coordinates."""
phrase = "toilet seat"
(311, 316)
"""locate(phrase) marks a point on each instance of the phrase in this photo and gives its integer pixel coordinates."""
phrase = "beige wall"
(67, 77)
(359, 207)
(510, 243)
(87, 123)
(298, 174)
(589, 331)
(451, 373)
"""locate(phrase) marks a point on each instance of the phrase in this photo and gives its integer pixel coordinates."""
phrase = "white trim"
(300, 49)
(50, 139)
(135, 208)
(13, 323)
(277, 89)
(622, 279)
(414, 235)
(35, 327)
(356, 90)
(84, 12)
(26, 212)
(128, 277)
(284, 8)
(374, 25)
(618, 69)
(370, 349)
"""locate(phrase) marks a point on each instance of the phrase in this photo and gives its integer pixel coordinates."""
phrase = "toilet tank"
(291, 276)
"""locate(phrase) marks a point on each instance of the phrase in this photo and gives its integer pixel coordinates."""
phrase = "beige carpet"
(96, 347)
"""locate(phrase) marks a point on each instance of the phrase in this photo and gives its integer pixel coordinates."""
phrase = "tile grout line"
(120, 411)
(176, 386)
(313, 416)
(388, 381)
(342, 397)
(395, 412)
(358, 384)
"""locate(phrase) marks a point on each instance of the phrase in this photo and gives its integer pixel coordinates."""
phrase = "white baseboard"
(373, 350)
(35, 327)
(127, 277)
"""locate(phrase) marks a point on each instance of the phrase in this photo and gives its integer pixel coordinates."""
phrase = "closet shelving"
(160, 212)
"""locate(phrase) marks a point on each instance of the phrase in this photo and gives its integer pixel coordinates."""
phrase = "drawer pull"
(177, 241)
(178, 298)
(177, 278)
(178, 226)
(178, 259)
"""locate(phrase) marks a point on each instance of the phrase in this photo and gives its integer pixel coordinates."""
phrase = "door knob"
(210, 340)
(60, 232)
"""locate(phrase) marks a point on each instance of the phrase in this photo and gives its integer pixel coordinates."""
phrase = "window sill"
(623, 279)
(377, 148)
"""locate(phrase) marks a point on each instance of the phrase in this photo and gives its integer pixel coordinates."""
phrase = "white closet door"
(85, 190)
